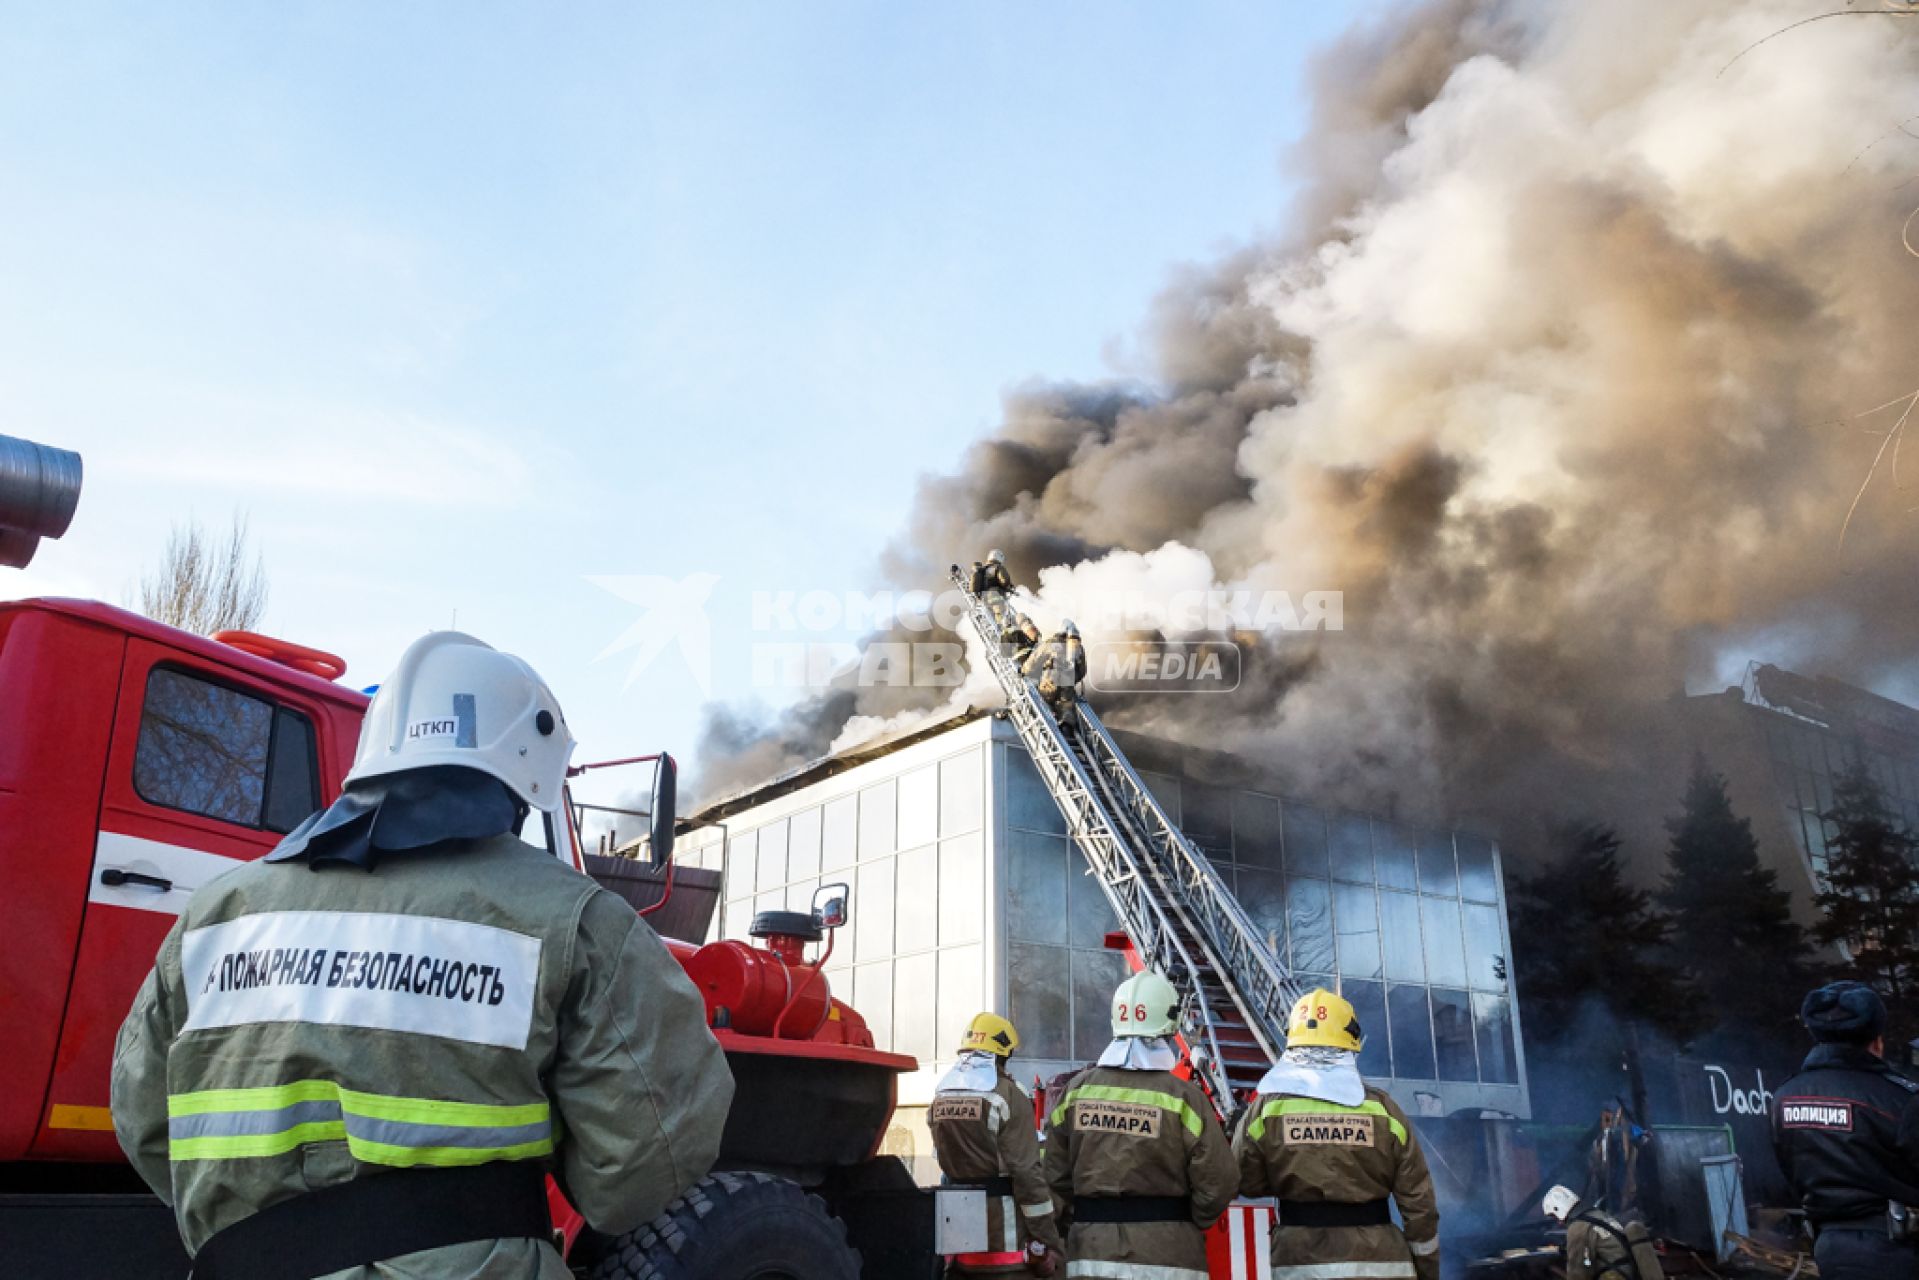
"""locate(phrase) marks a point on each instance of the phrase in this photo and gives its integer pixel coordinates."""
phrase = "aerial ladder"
(1182, 918)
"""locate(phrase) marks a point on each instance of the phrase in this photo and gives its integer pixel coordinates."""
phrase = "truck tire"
(735, 1226)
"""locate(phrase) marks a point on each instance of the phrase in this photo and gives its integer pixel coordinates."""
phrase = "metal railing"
(1149, 872)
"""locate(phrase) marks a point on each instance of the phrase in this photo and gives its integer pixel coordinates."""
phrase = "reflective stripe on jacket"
(1139, 1133)
(981, 1135)
(303, 1028)
(1304, 1149)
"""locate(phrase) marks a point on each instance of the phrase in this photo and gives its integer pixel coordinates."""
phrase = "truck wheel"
(735, 1226)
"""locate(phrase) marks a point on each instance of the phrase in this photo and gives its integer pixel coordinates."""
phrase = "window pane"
(1256, 832)
(1412, 1033)
(772, 859)
(1090, 916)
(1478, 880)
(1445, 944)
(840, 836)
(1096, 975)
(962, 794)
(1437, 872)
(1494, 1019)
(803, 845)
(1208, 818)
(1485, 952)
(872, 909)
(774, 901)
(1369, 1002)
(1165, 789)
(873, 997)
(1036, 898)
(960, 982)
(1037, 985)
(962, 903)
(1453, 1035)
(1349, 839)
(1399, 935)
(913, 1021)
(1305, 840)
(742, 864)
(1028, 804)
(916, 919)
(202, 748)
(293, 783)
(1356, 913)
(877, 820)
(1309, 922)
(1263, 895)
(1393, 856)
(919, 807)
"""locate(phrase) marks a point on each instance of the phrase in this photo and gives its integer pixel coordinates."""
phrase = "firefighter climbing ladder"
(1183, 919)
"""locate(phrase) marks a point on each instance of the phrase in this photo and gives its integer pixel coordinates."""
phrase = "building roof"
(812, 771)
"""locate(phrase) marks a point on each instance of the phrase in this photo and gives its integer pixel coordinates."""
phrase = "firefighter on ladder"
(1137, 1152)
(1057, 667)
(361, 1054)
(1333, 1149)
(983, 1134)
(1600, 1246)
(993, 585)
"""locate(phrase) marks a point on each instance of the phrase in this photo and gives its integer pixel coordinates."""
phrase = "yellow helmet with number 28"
(1323, 1018)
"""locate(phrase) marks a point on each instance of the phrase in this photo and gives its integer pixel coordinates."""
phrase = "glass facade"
(912, 848)
(968, 895)
(1407, 923)
(1807, 757)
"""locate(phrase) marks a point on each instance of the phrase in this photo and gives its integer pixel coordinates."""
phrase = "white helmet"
(996, 555)
(1070, 627)
(1559, 1202)
(1145, 1005)
(455, 700)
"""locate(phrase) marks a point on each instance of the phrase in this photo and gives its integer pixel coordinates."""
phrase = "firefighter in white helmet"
(1057, 667)
(1334, 1149)
(1136, 1153)
(984, 1136)
(1600, 1246)
(361, 1054)
(994, 586)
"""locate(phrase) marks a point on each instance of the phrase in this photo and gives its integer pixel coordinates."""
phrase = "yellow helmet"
(1322, 1018)
(990, 1033)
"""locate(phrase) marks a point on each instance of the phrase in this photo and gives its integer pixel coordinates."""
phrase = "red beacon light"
(313, 662)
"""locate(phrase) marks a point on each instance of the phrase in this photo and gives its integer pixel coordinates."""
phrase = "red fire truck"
(137, 762)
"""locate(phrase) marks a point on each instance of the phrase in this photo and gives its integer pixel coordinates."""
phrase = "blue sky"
(467, 304)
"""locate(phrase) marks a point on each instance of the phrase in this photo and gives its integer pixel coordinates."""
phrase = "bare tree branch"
(206, 588)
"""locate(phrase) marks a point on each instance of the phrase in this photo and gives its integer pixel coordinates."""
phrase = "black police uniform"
(1846, 1130)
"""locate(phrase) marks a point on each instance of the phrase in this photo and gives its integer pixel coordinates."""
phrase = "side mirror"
(661, 816)
(829, 906)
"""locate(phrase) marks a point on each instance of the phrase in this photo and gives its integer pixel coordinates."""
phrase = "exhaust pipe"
(39, 490)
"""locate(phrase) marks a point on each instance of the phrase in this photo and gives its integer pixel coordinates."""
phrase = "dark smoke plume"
(1553, 379)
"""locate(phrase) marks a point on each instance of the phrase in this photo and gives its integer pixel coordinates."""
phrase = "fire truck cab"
(137, 762)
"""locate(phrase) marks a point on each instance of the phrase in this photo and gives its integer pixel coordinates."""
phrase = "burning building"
(968, 894)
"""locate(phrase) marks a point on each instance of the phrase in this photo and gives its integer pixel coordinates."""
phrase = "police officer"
(1334, 1150)
(370, 1046)
(1138, 1153)
(1600, 1246)
(1846, 1130)
(984, 1135)
(1057, 667)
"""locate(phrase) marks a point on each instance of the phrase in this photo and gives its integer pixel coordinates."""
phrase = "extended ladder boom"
(1182, 918)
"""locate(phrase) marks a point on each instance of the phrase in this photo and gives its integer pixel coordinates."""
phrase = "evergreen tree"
(1588, 952)
(1871, 898)
(1732, 926)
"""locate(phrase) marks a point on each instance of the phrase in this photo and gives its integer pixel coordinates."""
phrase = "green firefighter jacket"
(989, 1134)
(302, 1028)
(1305, 1149)
(1127, 1133)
